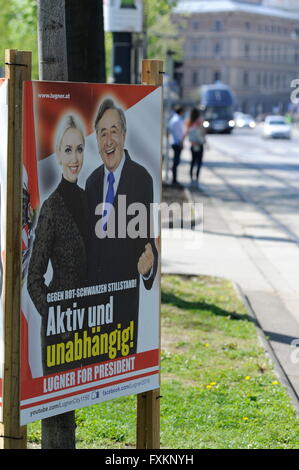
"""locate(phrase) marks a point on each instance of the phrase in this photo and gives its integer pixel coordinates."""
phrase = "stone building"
(253, 46)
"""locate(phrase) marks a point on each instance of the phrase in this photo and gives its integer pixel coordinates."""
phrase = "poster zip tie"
(19, 65)
(149, 71)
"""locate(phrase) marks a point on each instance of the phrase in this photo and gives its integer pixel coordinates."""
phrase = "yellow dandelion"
(206, 345)
(275, 382)
(245, 418)
(213, 383)
(209, 386)
(247, 377)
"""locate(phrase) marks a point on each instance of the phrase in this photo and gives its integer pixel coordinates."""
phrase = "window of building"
(194, 49)
(286, 56)
(245, 78)
(265, 80)
(278, 82)
(278, 53)
(195, 25)
(247, 51)
(217, 25)
(266, 53)
(204, 47)
(258, 79)
(272, 53)
(217, 48)
(194, 78)
(217, 75)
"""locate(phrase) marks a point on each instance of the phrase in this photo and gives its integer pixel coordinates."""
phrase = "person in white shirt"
(176, 129)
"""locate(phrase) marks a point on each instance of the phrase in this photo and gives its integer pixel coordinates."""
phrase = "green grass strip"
(219, 390)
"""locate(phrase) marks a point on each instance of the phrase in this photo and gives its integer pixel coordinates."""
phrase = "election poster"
(3, 187)
(90, 302)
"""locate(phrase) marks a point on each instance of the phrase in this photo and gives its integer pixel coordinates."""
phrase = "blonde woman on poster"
(61, 235)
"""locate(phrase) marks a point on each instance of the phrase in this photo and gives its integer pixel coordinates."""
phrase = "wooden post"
(12, 435)
(152, 72)
(148, 403)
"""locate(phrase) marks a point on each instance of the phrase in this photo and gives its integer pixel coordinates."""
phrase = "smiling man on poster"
(121, 187)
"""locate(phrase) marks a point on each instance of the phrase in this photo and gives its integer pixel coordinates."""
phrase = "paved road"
(250, 196)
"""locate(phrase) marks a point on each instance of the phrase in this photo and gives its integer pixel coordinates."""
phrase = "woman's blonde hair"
(69, 121)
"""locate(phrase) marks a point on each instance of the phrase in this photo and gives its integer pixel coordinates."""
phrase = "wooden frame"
(148, 403)
(12, 435)
(17, 69)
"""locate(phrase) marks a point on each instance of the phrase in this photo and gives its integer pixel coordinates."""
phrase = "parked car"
(277, 126)
(244, 120)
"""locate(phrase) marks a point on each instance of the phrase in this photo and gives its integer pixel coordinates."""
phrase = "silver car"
(277, 126)
(244, 120)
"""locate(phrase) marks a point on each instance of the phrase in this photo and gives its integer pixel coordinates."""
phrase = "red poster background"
(44, 105)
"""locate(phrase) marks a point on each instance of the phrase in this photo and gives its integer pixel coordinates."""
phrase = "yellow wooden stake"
(152, 72)
(12, 435)
(148, 403)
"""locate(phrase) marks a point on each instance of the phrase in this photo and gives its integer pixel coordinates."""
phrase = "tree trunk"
(52, 40)
(59, 432)
(71, 48)
(85, 41)
(71, 40)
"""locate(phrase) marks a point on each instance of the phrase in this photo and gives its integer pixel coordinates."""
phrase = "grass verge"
(219, 391)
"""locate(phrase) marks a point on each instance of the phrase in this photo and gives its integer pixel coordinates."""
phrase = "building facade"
(252, 47)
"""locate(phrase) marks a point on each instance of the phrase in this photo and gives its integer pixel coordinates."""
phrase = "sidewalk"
(225, 252)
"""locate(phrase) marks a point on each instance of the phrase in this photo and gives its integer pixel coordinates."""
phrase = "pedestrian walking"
(177, 133)
(196, 135)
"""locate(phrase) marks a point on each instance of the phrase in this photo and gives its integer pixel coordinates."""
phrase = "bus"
(217, 103)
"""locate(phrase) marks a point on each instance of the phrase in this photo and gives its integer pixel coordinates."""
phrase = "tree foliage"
(18, 28)
(161, 33)
(154, 9)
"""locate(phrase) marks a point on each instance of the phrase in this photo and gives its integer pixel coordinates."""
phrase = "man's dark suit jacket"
(116, 259)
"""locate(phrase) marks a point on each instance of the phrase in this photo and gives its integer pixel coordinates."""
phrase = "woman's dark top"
(61, 236)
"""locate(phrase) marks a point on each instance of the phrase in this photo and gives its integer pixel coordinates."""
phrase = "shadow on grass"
(171, 299)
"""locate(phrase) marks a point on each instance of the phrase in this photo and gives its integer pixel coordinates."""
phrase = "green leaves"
(162, 34)
(18, 28)
(218, 389)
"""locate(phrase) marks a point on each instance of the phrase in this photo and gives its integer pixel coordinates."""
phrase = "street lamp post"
(122, 48)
